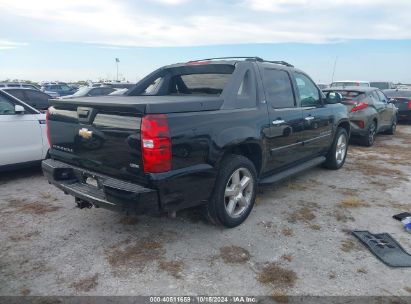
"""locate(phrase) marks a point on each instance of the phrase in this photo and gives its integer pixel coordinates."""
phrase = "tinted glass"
(6, 107)
(350, 95)
(374, 97)
(37, 99)
(95, 92)
(202, 83)
(279, 91)
(382, 96)
(17, 93)
(307, 91)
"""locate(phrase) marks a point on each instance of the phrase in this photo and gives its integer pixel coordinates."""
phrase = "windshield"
(82, 91)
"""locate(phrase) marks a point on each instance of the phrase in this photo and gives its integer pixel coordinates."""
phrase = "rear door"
(389, 109)
(21, 134)
(317, 117)
(381, 108)
(284, 136)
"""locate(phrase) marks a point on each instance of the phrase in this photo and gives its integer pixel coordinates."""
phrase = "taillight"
(155, 143)
(409, 104)
(48, 128)
(359, 106)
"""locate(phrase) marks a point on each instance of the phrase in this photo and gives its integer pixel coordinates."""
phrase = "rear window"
(349, 84)
(207, 79)
(352, 95)
(201, 83)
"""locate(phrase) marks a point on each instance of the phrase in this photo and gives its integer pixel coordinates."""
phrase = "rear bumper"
(110, 193)
(357, 131)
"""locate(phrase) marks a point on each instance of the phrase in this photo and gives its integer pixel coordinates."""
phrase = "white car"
(23, 135)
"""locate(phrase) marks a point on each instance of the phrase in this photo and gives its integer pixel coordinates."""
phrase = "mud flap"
(385, 248)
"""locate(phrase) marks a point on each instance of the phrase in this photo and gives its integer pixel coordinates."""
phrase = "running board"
(294, 170)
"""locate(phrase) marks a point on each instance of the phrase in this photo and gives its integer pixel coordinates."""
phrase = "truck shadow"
(15, 174)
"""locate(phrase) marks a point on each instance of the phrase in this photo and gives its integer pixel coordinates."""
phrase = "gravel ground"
(296, 241)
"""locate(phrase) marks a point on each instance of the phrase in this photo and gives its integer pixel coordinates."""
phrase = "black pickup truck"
(202, 133)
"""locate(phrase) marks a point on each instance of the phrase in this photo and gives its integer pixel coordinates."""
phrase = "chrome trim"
(284, 147)
(316, 138)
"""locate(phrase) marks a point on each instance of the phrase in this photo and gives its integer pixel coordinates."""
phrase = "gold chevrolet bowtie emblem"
(85, 133)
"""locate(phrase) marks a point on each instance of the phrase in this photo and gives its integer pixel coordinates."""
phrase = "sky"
(71, 40)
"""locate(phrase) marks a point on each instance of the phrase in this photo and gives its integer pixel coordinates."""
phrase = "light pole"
(335, 64)
(117, 61)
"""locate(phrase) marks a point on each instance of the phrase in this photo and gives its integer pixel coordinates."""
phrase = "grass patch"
(315, 227)
(37, 208)
(303, 214)
(234, 255)
(22, 237)
(86, 284)
(347, 245)
(173, 268)
(138, 255)
(274, 275)
(288, 232)
(352, 202)
(129, 220)
(287, 257)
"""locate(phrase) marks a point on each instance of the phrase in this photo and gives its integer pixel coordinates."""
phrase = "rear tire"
(338, 152)
(393, 127)
(234, 192)
(369, 139)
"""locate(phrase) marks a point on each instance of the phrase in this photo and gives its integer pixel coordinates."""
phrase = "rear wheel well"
(345, 125)
(251, 151)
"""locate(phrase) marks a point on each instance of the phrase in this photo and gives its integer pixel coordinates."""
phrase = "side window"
(94, 92)
(307, 91)
(382, 96)
(153, 87)
(107, 91)
(37, 98)
(279, 91)
(17, 93)
(374, 97)
(6, 107)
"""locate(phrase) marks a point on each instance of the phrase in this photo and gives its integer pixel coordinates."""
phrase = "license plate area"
(91, 181)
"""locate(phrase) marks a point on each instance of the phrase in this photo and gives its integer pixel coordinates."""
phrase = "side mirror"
(18, 109)
(333, 97)
(391, 100)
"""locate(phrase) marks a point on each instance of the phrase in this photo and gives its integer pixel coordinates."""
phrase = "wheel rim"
(238, 192)
(394, 126)
(341, 149)
(371, 133)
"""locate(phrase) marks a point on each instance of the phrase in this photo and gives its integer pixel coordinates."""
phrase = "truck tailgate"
(102, 134)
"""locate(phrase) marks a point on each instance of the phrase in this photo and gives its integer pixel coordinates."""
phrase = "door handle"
(278, 122)
(308, 118)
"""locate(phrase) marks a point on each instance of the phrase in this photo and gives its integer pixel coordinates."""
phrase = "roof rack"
(247, 58)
